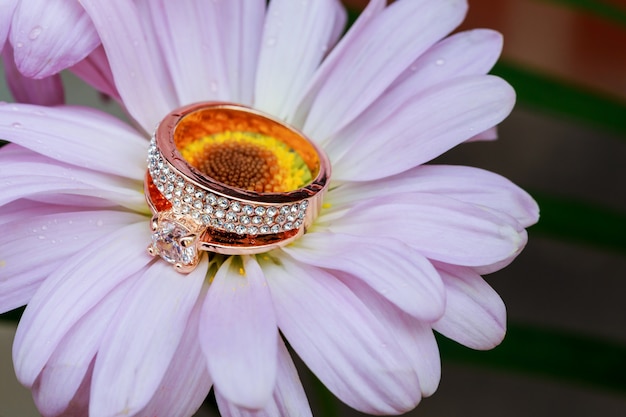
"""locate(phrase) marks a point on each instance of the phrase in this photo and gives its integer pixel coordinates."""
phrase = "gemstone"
(247, 210)
(222, 202)
(264, 229)
(175, 243)
(240, 230)
(235, 206)
(260, 210)
(271, 211)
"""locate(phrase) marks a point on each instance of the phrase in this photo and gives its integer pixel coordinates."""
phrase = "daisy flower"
(396, 252)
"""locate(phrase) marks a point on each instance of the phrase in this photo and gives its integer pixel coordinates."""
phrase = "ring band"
(229, 179)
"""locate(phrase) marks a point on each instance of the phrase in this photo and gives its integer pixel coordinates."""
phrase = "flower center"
(249, 161)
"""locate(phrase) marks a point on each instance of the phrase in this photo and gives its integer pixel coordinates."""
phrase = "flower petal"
(139, 73)
(414, 336)
(473, 52)
(36, 244)
(72, 290)
(391, 268)
(66, 369)
(46, 92)
(189, 38)
(186, 382)
(439, 227)
(241, 361)
(340, 339)
(471, 185)
(295, 39)
(376, 57)
(395, 135)
(371, 11)
(96, 71)
(49, 36)
(7, 9)
(475, 314)
(27, 175)
(142, 339)
(289, 398)
(79, 136)
(239, 24)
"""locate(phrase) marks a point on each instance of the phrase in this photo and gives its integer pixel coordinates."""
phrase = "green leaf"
(552, 95)
(581, 222)
(549, 353)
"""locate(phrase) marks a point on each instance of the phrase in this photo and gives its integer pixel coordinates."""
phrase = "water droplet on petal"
(19, 45)
(16, 125)
(440, 62)
(44, 227)
(99, 223)
(34, 34)
(41, 237)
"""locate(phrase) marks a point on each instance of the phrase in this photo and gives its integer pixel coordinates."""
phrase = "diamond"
(235, 206)
(284, 210)
(264, 229)
(190, 189)
(257, 220)
(231, 217)
(240, 230)
(244, 220)
(174, 243)
(222, 202)
(271, 211)
(229, 227)
(220, 214)
(275, 228)
(288, 226)
(211, 199)
(253, 230)
(259, 211)
(247, 210)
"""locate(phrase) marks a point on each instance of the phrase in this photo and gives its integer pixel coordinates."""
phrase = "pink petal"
(414, 336)
(295, 39)
(475, 314)
(376, 57)
(46, 92)
(95, 71)
(439, 227)
(140, 78)
(78, 406)
(472, 52)
(49, 36)
(240, 26)
(27, 174)
(186, 382)
(38, 243)
(391, 268)
(79, 136)
(72, 290)
(68, 366)
(471, 185)
(7, 7)
(374, 7)
(394, 135)
(289, 398)
(142, 339)
(340, 339)
(489, 134)
(238, 333)
(189, 38)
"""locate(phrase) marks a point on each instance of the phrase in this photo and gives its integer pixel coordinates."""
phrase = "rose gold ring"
(229, 179)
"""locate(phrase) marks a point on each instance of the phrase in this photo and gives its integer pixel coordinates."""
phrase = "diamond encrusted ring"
(228, 179)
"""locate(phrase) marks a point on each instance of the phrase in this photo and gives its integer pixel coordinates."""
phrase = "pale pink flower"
(397, 251)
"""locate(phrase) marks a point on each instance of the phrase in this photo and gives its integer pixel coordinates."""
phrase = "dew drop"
(41, 237)
(99, 223)
(44, 227)
(16, 125)
(440, 62)
(34, 34)
(19, 45)
(53, 241)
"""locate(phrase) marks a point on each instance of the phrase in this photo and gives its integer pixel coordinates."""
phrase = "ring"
(228, 179)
